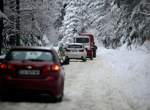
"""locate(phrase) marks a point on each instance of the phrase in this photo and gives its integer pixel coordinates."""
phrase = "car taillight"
(81, 50)
(7, 66)
(68, 50)
(51, 68)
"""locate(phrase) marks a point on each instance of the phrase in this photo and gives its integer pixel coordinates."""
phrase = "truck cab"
(85, 40)
(91, 42)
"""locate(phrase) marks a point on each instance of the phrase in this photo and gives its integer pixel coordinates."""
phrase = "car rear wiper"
(32, 60)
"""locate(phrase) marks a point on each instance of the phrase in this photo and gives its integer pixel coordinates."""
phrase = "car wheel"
(94, 55)
(66, 61)
(4, 98)
(91, 58)
(84, 59)
(61, 97)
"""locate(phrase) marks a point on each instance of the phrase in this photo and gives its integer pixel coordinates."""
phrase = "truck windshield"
(82, 40)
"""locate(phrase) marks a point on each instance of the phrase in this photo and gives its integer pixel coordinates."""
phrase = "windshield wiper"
(32, 60)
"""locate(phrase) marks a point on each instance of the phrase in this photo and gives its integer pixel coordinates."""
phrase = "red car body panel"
(89, 53)
(51, 81)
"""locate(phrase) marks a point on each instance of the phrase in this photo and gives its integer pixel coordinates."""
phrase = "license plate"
(29, 72)
(74, 50)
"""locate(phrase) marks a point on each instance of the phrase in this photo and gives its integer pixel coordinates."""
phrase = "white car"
(75, 51)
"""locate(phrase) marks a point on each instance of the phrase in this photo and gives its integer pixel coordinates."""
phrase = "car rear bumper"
(74, 56)
(50, 84)
(89, 53)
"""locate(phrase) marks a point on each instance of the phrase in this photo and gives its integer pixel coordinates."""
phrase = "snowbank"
(133, 70)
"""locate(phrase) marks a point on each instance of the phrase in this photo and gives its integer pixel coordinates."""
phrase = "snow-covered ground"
(114, 80)
(131, 74)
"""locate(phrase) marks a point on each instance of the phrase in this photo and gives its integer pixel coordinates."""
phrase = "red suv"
(31, 69)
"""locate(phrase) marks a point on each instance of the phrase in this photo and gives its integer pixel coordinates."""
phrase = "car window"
(82, 40)
(74, 46)
(30, 55)
(56, 54)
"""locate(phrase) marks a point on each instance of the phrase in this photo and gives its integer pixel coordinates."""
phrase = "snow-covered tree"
(70, 22)
(113, 22)
(41, 16)
(133, 23)
(1, 24)
(36, 19)
(116, 21)
(75, 20)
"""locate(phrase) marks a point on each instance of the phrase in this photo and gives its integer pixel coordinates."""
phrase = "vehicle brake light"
(56, 67)
(68, 50)
(7, 66)
(51, 68)
(3, 66)
(81, 50)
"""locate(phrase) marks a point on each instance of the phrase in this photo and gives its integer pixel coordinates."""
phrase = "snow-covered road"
(94, 85)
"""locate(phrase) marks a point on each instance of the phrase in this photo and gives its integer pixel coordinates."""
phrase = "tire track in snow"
(94, 89)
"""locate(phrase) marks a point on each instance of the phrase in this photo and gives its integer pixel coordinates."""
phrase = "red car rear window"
(33, 55)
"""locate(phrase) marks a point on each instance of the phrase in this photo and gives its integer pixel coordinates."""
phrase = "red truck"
(92, 43)
(88, 41)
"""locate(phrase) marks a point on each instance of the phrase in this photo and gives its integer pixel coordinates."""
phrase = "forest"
(49, 22)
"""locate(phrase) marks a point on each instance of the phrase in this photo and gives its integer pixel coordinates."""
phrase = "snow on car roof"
(82, 37)
(75, 44)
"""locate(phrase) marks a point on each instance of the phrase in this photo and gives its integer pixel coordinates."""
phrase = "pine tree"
(1, 26)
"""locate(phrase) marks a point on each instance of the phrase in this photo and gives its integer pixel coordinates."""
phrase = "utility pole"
(1, 26)
(33, 21)
(82, 22)
(18, 22)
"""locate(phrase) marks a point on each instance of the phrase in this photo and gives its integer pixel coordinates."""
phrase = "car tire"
(4, 98)
(66, 61)
(61, 97)
(84, 59)
(91, 58)
(94, 55)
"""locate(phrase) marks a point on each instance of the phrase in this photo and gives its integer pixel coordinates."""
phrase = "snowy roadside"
(133, 71)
